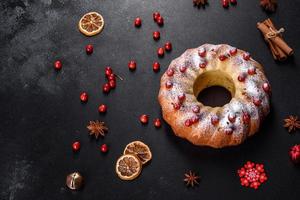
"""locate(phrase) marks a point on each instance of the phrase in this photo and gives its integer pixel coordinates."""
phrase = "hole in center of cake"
(214, 88)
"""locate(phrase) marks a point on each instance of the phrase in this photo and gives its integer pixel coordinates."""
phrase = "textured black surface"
(41, 114)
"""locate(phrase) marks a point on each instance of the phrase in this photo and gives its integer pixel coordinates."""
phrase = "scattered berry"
(169, 84)
(242, 77)
(160, 52)
(170, 72)
(266, 87)
(168, 46)
(233, 2)
(102, 108)
(132, 65)
(144, 119)
(214, 120)
(176, 106)
(202, 52)
(182, 69)
(108, 71)
(157, 123)
(246, 56)
(181, 97)
(111, 77)
(156, 35)
(57, 65)
(225, 3)
(89, 49)
(104, 148)
(256, 101)
(222, 57)
(155, 16)
(196, 109)
(246, 117)
(106, 88)
(160, 20)
(156, 66)
(228, 131)
(138, 22)
(188, 122)
(251, 70)
(76, 146)
(202, 64)
(84, 97)
(112, 84)
(233, 51)
(231, 117)
(295, 153)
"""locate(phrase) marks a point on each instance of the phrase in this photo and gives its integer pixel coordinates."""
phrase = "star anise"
(97, 128)
(191, 179)
(269, 5)
(292, 123)
(200, 2)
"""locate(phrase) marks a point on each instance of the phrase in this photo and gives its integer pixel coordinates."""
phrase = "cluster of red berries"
(76, 147)
(252, 175)
(225, 3)
(145, 118)
(111, 77)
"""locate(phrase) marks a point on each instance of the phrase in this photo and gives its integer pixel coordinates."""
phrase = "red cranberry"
(111, 77)
(169, 84)
(160, 52)
(214, 120)
(132, 65)
(155, 16)
(256, 101)
(222, 57)
(57, 65)
(181, 97)
(188, 122)
(157, 123)
(102, 108)
(246, 118)
(160, 21)
(156, 66)
(108, 71)
(144, 119)
(225, 3)
(266, 87)
(196, 109)
(89, 49)
(156, 35)
(76, 146)
(242, 77)
(112, 84)
(182, 69)
(246, 56)
(138, 22)
(106, 88)
(202, 64)
(228, 131)
(176, 106)
(84, 97)
(202, 52)
(295, 153)
(233, 2)
(231, 117)
(195, 119)
(104, 148)
(251, 70)
(168, 46)
(170, 72)
(233, 51)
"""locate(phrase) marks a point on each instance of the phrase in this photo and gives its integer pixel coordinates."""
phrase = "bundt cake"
(214, 65)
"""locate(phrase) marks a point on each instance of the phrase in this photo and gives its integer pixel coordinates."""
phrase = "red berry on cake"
(228, 131)
(188, 122)
(202, 64)
(233, 51)
(102, 108)
(160, 52)
(246, 56)
(202, 52)
(182, 69)
(214, 120)
(196, 109)
(169, 84)
(84, 97)
(156, 66)
(168, 46)
(106, 88)
(266, 87)
(144, 119)
(111, 77)
(222, 57)
(195, 119)
(156, 35)
(108, 71)
(242, 77)
(157, 123)
(138, 22)
(256, 101)
(170, 72)
(112, 84)
(246, 118)
(89, 49)
(252, 70)
(57, 65)
(181, 97)
(176, 106)
(132, 65)
(231, 117)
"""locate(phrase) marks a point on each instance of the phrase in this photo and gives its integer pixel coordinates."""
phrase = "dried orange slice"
(140, 149)
(128, 167)
(91, 23)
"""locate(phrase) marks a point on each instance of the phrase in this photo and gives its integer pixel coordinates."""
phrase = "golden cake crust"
(206, 66)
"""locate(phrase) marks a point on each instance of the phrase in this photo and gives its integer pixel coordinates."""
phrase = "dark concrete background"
(41, 114)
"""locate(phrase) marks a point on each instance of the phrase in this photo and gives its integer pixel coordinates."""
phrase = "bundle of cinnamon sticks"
(279, 48)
